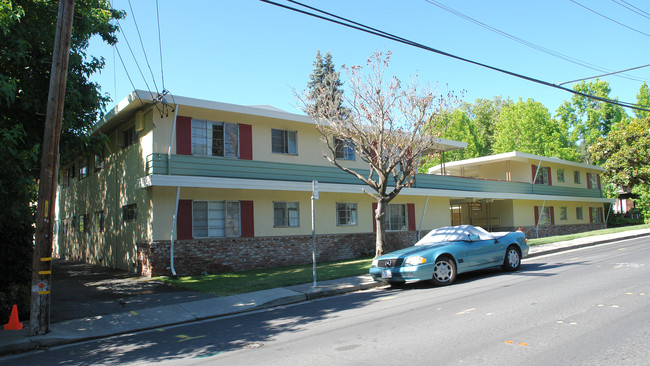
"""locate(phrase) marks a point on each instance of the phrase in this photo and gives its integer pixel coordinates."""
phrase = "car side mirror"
(474, 238)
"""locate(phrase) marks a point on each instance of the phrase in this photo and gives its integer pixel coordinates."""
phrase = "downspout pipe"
(178, 193)
(422, 218)
(171, 141)
(539, 218)
(535, 176)
(171, 248)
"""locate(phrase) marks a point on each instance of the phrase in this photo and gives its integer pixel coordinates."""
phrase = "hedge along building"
(220, 187)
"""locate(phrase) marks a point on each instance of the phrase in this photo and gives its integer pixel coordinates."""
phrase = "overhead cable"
(366, 29)
(598, 76)
(610, 19)
(525, 42)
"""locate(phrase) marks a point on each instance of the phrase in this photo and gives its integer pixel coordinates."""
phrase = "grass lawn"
(225, 284)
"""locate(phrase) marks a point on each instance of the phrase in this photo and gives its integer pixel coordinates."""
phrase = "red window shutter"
(184, 220)
(534, 170)
(183, 135)
(591, 216)
(550, 180)
(552, 215)
(245, 142)
(374, 224)
(410, 208)
(588, 181)
(536, 215)
(598, 179)
(247, 222)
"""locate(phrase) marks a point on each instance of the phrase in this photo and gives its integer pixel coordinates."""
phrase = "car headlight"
(414, 261)
(375, 262)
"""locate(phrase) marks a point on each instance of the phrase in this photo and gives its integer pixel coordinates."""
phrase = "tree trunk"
(380, 215)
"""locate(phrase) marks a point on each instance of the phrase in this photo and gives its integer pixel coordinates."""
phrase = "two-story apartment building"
(220, 187)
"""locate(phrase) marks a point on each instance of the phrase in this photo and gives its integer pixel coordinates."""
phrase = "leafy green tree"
(643, 99)
(486, 114)
(528, 127)
(27, 29)
(626, 153)
(589, 119)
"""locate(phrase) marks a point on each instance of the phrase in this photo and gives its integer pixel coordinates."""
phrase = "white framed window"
(563, 213)
(579, 215)
(344, 149)
(596, 215)
(346, 214)
(542, 176)
(545, 216)
(576, 177)
(560, 175)
(396, 217)
(593, 180)
(216, 219)
(215, 138)
(284, 141)
(286, 214)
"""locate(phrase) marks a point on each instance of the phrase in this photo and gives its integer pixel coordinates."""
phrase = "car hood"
(407, 252)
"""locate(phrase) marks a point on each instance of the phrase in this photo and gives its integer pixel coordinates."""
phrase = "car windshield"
(454, 233)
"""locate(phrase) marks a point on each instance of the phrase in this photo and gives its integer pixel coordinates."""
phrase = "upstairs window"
(215, 138)
(343, 149)
(576, 177)
(83, 168)
(593, 182)
(543, 176)
(129, 137)
(99, 161)
(284, 141)
(560, 175)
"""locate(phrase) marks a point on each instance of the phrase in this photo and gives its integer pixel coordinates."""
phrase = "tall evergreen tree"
(643, 99)
(324, 88)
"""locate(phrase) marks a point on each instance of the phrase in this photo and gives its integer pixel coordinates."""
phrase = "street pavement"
(118, 303)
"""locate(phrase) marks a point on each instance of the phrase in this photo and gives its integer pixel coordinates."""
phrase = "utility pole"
(39, 320)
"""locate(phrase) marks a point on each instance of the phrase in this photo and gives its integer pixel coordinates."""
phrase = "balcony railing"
(206, 166)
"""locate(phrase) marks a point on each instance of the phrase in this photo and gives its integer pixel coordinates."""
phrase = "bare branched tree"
(388, 124)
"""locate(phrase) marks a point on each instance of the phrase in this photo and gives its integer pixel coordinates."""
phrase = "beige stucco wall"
(309, 141)
(108, 189)
(437, 213)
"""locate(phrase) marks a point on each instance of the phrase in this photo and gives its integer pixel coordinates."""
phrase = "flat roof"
(512, 156)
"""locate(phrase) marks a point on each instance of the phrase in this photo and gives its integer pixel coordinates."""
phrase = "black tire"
(397, 284)
(444, 271)
(512, 260)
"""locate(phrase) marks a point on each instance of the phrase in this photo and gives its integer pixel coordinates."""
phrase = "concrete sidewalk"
(87, 328)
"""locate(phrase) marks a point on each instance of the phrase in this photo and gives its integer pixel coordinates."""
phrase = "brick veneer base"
(193, 257)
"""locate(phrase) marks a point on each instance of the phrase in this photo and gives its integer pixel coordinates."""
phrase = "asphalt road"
(583, 307)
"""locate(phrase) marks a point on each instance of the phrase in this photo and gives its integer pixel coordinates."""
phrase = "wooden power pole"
(39, 320)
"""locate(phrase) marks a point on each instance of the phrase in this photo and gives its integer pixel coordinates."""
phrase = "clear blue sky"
(251, 53)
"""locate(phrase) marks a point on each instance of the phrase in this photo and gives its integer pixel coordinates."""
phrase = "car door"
(483, 253)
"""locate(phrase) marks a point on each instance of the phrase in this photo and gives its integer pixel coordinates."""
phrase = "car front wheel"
(444, 271)
(512, 260)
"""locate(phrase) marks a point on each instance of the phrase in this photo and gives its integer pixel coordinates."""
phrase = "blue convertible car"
(447, 251)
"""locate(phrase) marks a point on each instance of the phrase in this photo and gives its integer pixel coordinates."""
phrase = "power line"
(142, 45)
(610, 19)
(162, 72)
(126, 71)
(632, 8)
(598, 76)
(134, 59)
(366, 29)
(525, 42)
